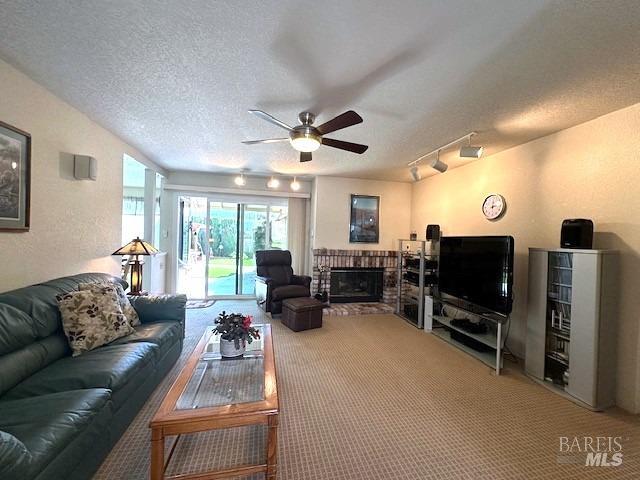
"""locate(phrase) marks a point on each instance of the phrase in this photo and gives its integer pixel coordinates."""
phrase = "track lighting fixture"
(415, 174)
(273, 183)
(436, 164)
(468, 151)
(240, 180)
(295, 185)
(471, 152)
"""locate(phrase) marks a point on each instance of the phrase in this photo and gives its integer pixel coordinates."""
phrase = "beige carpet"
(371, 397)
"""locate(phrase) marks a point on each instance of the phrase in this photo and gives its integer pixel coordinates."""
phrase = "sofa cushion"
(289, 291)
(49, 424)
(92, 318)
(15, 459)
(21, 364)
(163, 334)
(39, 301)
(115, 367)
(17, 329)
(153, 308)
(125, 305)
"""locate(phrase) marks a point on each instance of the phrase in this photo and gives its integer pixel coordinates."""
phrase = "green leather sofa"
(61, 415)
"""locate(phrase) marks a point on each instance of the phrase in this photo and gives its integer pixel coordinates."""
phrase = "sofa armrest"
(155, 308)
(303, 280)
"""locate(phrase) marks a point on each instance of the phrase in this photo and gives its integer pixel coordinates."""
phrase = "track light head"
(436, 164)
(415, 174)
(471, 152)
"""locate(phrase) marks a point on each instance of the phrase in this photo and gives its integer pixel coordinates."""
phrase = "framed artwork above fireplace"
(364, 226)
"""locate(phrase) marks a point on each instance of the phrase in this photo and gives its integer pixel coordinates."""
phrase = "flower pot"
(228, 349)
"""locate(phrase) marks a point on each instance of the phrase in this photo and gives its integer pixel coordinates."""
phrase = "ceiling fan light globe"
(305, 143)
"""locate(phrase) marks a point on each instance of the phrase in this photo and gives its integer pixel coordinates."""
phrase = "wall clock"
(494, 206)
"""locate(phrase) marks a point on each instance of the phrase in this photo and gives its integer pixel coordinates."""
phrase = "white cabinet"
(571, 323)
(155, 273)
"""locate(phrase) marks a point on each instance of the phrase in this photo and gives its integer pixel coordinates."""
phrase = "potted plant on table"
(235, 332)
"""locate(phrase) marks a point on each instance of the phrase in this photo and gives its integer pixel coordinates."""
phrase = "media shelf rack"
(417, 277)
(489, 346)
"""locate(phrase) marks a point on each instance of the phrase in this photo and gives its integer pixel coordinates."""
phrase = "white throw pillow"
(125, 304)
(92, 319)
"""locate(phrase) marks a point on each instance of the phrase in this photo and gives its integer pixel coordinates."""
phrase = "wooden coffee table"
(211, 393)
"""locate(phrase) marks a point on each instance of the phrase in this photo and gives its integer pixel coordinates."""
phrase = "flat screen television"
(477, 271)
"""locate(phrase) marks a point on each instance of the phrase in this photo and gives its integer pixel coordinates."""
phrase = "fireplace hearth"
(356, 284)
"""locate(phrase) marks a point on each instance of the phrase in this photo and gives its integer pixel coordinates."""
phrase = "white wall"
(75, 225)
(588, 171)
(331, 203)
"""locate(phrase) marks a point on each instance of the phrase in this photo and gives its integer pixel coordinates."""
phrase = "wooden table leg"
(157, 454)
(272, 447)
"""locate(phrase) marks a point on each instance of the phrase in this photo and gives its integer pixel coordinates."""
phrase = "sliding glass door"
(219, 258)
(222, 271)
(254, 237)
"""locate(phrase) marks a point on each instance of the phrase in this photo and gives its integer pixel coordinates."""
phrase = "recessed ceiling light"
(240, 180)
(295, 185)
(273, 183)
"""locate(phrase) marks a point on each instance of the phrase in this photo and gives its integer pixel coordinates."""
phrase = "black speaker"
(576, 233)
(433, 232)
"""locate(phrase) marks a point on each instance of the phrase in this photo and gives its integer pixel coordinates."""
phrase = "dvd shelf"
(571, 323)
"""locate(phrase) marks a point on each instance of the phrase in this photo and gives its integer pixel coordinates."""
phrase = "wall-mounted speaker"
(433, 232)
(84, 167)
(577, 233)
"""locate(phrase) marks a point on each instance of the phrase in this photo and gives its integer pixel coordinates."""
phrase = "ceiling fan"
(306, 138)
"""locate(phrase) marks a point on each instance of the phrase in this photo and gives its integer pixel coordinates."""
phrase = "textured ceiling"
(175, 78)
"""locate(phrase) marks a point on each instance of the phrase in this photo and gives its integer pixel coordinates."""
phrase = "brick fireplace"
(386, 260)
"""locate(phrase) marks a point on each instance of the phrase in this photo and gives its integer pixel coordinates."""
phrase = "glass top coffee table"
(212, 393)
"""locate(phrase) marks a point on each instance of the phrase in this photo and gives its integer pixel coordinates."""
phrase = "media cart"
(417, 277)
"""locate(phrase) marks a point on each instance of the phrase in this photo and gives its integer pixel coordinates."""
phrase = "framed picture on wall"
(15, 179)
(365, 217)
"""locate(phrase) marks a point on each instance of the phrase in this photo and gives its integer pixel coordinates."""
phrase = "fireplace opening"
(356, 285)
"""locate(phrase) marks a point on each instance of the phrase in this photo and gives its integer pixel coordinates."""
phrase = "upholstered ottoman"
(302, 313)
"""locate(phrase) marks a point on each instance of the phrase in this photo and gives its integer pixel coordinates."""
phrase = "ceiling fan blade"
(271, 119)
(267, 140)
(305, 156)
(342, 145)
(343, 120)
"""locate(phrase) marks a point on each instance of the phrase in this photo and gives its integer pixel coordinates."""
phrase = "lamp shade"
(136, 246)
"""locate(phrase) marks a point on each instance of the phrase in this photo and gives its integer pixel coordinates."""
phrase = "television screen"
(478, 270)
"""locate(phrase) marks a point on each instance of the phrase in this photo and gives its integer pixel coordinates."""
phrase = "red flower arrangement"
(236, 327)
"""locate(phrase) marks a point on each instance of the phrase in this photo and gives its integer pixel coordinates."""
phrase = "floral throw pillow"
(125, 305)
(92, 319)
